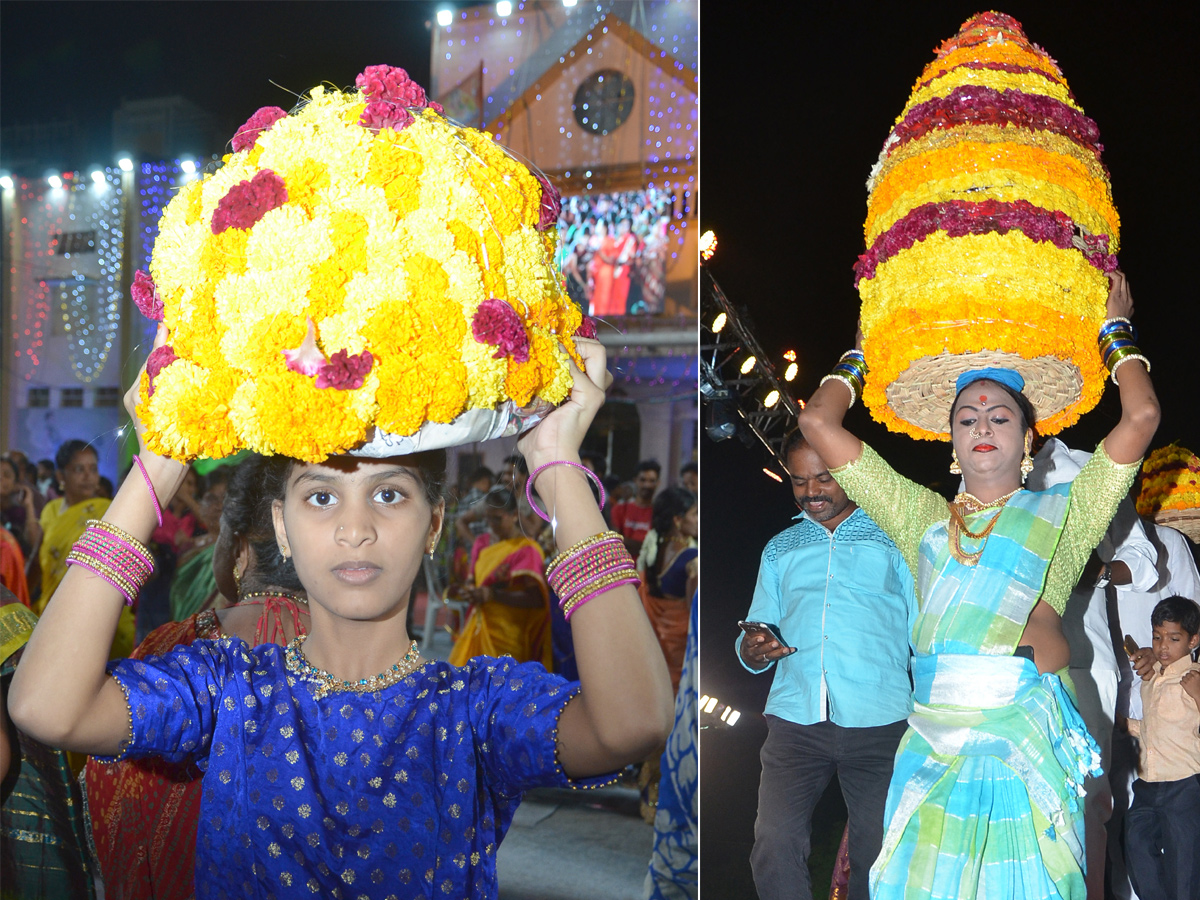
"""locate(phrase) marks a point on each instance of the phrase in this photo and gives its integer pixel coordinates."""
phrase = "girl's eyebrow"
(989, 409)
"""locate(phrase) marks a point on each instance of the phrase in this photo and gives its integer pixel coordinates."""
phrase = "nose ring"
(975, 434)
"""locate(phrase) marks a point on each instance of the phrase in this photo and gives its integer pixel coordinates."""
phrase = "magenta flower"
(551, 206)
(381, 114)
(345, 372)
(497, 323)
(145, 296)
(247, 135)
(392, 85)
(248, 201)
(587, 328)
(160, 358)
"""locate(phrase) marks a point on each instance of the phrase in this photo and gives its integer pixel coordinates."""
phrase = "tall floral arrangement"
(360, 262)
(1170, 481)
(990, 227)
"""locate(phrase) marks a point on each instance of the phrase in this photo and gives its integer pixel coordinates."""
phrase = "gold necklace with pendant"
(331, 684)
(965, 504)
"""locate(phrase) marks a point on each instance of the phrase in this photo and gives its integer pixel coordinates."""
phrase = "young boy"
(1162, 824)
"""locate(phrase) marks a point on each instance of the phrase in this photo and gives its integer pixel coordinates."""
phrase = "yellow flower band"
(1170, 481)
(329, 277)
(982, 292)
(940, 139)
(1005, 171)
(997, 79)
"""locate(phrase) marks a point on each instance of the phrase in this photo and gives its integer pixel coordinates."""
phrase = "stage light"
(97, 176)
(188, 166)
(790, 373)
(708, 245)
(734, 715)
(771, 399)
(569, 3)
(445, 17)
(708, 704)
(748, 364)
(504, 9)
(719, 323)
(721, 419)
(790, 356)
(54, 181)
(774, 475)
(125, 163)
(6, 182)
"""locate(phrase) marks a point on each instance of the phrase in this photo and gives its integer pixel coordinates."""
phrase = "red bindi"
(983, 398)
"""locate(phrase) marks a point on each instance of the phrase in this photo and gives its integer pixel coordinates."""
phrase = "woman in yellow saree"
(65, 519)
(510, 612)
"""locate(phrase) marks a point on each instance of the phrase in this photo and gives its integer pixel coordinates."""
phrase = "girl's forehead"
(350, 469)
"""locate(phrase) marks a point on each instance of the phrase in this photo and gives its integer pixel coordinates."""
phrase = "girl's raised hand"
(559, 435)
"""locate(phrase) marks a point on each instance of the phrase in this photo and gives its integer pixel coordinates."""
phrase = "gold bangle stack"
(581, 545)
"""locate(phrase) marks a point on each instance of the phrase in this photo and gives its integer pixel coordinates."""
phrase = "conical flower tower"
(990, 229)
(1170, 492)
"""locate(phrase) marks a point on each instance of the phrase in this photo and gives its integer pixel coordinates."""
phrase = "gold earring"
(955, 468)
(283, 552)
(237, 580)
(1026, 463)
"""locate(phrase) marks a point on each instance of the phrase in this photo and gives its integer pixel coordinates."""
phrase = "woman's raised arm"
(624, 708)
(821, 421)
(60, 693)
(1140, 413)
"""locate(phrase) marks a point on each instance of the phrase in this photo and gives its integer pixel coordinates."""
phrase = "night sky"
(80, 60)
(794, 111)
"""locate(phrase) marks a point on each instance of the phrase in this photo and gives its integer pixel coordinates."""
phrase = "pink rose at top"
(145, 296)
(160, 358)
(261, 121)
(345, 372)
(248, 201)
(391, 85)
(497, 323)
(551, 206)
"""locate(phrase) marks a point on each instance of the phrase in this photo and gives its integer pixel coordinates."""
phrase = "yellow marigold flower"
(304, 183)
(996, 79)
(188, 416)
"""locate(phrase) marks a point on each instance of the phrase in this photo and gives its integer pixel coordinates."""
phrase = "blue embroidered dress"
(406, 792)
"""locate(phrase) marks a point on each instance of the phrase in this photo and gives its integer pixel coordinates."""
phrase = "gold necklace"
(965, 504)
(328, 684)
(283, 595)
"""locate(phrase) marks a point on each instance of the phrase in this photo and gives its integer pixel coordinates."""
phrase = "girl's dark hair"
(1180, 610)
(1024, 407)
(247, 513)
(67, 452)
(12, 465)
(502, 499)
(674, 501)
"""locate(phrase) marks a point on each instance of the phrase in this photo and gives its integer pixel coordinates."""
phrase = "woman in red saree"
(613, 266)
(144, 812)
(510, 615)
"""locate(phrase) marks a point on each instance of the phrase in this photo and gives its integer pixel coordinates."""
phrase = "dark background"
(796, 103)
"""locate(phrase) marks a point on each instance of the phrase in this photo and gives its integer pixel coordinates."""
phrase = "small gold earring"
(955, 468)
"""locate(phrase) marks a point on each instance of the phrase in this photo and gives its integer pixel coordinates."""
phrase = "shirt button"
(826, 637)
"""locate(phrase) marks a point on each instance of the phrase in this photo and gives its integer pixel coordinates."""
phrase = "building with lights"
(602, 98)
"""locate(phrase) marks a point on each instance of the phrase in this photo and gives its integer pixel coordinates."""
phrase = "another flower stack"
(990, 229)
(361, 261)
(1171, 489)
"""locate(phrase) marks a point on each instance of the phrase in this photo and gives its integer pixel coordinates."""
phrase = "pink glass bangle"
(104, 540)
(558, 462)
(567, 562)
(150, 488)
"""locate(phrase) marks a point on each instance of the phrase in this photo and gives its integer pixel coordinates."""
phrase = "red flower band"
(345, 372)
(145, 296)
(497, 323)
(160, 358)
(261, 121)
(248, 201)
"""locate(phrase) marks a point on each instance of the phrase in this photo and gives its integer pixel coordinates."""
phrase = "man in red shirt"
(632, 520)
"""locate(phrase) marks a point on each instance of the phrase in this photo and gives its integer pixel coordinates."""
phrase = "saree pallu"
(495, 628)
(987, 800)
(42, 840)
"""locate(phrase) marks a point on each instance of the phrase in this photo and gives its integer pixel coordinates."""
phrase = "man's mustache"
(820, 499)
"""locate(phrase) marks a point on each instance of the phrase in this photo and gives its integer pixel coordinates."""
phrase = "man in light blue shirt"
(841, 599)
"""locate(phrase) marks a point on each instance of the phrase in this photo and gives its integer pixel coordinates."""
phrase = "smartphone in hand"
(772, 631)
